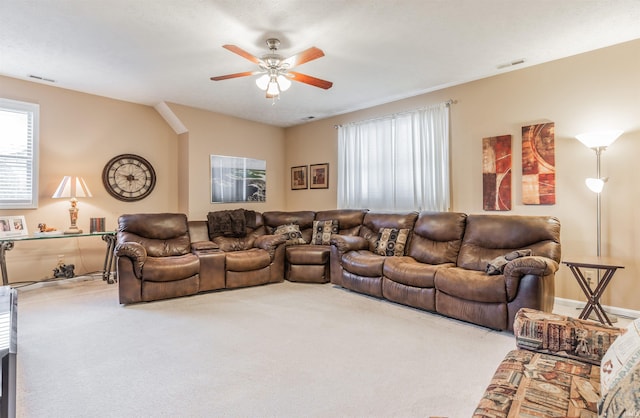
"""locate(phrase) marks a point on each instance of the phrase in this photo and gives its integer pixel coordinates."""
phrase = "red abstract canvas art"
(496, 172)
(538, 164)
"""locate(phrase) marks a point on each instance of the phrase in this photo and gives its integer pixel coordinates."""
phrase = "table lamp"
(72, 187)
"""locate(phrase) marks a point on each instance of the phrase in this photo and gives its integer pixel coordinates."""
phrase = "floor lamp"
(598, 141)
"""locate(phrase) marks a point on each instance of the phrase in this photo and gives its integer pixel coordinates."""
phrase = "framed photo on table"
(319, 176)
(299, 178)
(11, 226)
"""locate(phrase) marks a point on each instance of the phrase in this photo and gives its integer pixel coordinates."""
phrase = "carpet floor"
(281, 350)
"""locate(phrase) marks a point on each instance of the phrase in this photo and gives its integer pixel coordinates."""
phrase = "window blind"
(18, 154)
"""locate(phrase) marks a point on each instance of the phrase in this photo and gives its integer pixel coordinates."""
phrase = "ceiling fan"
(275, 69)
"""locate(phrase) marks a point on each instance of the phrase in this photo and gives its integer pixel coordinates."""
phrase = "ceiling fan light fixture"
(273, 89)
(263, 81)
(283, 82)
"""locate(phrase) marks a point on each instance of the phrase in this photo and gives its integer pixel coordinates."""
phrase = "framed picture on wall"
(319, 176)
(299, 178)
(238, 179)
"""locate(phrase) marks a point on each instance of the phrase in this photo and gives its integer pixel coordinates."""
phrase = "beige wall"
(587, 92)
(310, 144)
(211, 133)
(79, 134)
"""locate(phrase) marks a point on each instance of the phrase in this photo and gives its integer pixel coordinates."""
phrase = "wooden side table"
(606, 264)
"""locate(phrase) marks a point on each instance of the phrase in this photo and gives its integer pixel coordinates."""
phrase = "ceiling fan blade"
(235, 75)
(307, 79)
(243, 53)
(304, 56)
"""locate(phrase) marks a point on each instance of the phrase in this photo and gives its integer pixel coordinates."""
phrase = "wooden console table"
(606, 264)
(7, 244)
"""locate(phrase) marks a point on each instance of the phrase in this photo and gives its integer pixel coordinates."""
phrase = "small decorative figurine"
(64, 270)
(44, 228)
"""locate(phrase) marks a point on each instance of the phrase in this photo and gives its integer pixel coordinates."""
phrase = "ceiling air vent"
(511, 64)
(37, 77)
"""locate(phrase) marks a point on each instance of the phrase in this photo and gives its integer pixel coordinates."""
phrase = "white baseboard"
(622, 312)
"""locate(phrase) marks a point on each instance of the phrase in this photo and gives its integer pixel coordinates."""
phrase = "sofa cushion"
(167, 269)
(161, 234)
(349, 220)
(391, 241)
(537, 384)
(471, 285)
(322, 231)
(249, 260)
(363, 263)
(228, 223)
(304, 219)
(308, 254)
(410, 272)
(621, 358)
(489, 236)
(292, 233)
(436, 237)
(373, 222)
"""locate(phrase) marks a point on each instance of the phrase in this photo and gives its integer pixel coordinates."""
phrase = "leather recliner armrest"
(269, 243)
(346, 243)
(136, 252)
(536, 265)
(515, 269)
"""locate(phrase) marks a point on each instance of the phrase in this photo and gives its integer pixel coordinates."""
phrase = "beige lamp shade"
(72, 187)
(601, 139)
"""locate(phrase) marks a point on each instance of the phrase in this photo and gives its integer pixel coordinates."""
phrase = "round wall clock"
(128, 177)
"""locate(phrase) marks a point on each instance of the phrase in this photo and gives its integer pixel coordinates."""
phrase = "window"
(399, 162)
(18, 154)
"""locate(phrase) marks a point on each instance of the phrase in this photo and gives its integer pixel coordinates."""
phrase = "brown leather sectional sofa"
(432, 261)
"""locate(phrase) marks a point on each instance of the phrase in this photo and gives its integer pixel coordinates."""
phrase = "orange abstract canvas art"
(538, 164)
(496, 173)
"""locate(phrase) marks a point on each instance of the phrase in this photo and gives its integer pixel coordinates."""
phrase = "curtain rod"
(447, 103)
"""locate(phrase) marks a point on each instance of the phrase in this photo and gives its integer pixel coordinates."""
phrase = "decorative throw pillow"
(621, 358)
(292, 233)
(322, 231)
(622, 399)
(563, 336)
(391, 241)
(496, 266)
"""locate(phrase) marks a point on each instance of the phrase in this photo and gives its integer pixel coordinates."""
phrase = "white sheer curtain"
(399, 162)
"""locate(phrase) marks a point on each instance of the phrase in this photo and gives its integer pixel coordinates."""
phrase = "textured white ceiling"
(376, 51)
